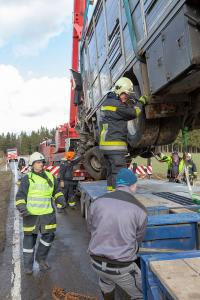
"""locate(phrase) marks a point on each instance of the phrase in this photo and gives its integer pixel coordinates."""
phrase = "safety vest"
(168, 159)
(39, 198)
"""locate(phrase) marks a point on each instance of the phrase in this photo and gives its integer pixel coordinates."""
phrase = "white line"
(16, 261)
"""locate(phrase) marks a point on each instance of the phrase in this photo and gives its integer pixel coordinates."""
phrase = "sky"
(35, 58)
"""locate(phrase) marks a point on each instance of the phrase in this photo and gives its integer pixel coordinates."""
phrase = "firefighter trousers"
(42, 251)
(114, 162)
(69, 187)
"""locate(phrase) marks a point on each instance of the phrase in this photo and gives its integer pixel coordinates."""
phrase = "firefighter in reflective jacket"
(66, 177)
(34, 200)
(175, 166)
(191, 166)
(115, 112)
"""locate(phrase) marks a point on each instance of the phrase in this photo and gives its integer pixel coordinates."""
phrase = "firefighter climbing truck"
(156, 44)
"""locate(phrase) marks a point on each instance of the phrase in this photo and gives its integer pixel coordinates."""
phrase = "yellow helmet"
(124, 85)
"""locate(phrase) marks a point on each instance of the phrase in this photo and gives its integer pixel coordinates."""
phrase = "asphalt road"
(70, 264)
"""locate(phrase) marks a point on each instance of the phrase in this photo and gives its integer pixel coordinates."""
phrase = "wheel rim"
(132, 126)
(95, 164)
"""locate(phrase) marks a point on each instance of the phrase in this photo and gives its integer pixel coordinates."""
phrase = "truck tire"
(142, 132)
(169, 129)
(94, 163)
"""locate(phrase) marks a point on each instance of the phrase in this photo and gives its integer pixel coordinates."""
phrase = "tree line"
(26, 143)
(193, 141)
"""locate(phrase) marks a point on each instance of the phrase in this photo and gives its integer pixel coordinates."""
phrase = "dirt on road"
(5, 188)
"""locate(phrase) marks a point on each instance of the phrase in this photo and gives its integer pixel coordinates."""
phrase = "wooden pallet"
(180, 277)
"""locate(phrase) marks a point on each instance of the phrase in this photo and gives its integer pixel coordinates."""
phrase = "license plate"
(79, 178)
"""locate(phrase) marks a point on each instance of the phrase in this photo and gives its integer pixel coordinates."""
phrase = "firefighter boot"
(43, 250)
(28, 263)
(43, 265)
(109, 296)
(28, 252)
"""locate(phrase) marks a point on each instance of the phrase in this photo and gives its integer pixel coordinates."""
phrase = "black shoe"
(109, 296)
(43, 265)
(28, 271)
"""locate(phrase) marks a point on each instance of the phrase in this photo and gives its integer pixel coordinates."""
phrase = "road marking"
(16, 255)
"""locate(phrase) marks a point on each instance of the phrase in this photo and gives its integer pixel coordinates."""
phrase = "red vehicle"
(12, 154)
(66, 137)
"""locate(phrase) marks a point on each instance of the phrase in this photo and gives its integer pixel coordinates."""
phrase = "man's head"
(126, 177)
(37, 161)
(188, 156)
(123, 88)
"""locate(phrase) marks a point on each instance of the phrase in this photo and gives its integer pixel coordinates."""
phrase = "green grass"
(161, 168)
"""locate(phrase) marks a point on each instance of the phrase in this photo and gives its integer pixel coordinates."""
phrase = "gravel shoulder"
(5, 188)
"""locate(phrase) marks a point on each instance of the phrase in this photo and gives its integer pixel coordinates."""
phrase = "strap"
(124, 196)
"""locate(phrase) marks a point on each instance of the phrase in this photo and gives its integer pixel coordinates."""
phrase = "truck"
(65, 140)
(156, 44)
(67, 136)
(12, 154)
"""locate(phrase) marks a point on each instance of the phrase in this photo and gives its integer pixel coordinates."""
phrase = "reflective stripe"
(22, 201)
(58, 195)
(39, 200)
(109, 188)
(113, 147)
(51, 226)
(59, 206)
(28, 250)
(45, 243)
(103, 141)
(109, 108)
(39, 205)
(32, 199)
(29, 229)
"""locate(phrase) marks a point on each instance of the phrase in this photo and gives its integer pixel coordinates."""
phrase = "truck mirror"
(77, 87)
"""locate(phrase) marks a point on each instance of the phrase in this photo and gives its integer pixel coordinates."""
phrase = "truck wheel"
(169, 129)
(142, 132)
(94, 163)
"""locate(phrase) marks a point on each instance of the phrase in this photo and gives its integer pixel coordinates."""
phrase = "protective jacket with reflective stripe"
(114, 117)
(169, 160)
(39, 198)
(35, 194)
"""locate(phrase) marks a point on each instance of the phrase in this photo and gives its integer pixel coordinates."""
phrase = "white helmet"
(124, 85)
(189, 155)
(35, 157)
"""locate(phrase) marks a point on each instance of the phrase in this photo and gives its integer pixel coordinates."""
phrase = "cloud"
(28, 104)
(31, 24)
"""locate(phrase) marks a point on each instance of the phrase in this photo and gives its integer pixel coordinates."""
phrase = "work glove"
(60, 202)
(143, 100)
(24, 213)
(137, 111)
